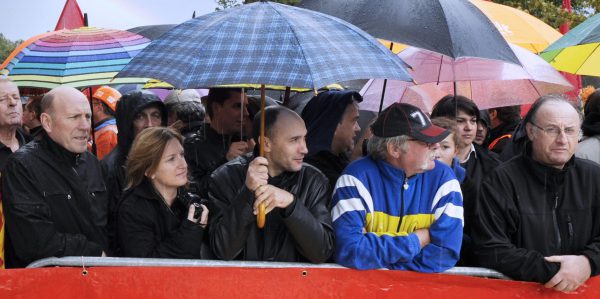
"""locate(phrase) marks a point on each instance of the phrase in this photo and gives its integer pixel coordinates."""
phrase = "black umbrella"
(455, 28)
(151, 32)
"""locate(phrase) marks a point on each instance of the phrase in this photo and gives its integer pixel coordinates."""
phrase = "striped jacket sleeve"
(355, 248)
(446, 232)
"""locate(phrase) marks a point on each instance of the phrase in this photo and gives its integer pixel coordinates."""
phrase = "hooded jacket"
(528, 210)
(54, 202)
(147, 227)
(113, 164)
(321, 116)
(299, 233)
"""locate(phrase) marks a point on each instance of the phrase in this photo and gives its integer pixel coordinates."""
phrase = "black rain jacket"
(299, 233)
(527, 211)
(147, 227)
(55, 204)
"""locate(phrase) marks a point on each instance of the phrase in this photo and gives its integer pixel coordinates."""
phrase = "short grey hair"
(6, 79)
(377, 146)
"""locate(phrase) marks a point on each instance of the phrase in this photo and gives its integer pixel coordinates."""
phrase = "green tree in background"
(551, 12)
(7, 46)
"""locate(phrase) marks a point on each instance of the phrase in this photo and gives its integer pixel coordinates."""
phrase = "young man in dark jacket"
(539, 215)
(54, 195)
(298, 224)
(220, 141)
(332, 123)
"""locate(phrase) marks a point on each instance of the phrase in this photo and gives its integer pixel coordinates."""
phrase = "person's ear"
(529, 129)
(393, 150)
(46, 121)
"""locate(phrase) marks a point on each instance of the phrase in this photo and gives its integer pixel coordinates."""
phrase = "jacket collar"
(547, 174)
(59, 152)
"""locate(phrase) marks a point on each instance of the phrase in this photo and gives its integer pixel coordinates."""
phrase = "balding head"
(11, 110)
(285, 139)
(66, 117)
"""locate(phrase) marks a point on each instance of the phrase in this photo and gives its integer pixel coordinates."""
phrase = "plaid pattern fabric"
(265, 43)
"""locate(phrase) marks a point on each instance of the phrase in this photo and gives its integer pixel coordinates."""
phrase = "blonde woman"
(155, 218)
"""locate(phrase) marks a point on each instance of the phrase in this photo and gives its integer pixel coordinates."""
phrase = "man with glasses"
(539, 213)
(399, 208)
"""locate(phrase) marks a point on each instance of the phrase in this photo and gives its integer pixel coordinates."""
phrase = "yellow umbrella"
(519, 27)
(578, 51)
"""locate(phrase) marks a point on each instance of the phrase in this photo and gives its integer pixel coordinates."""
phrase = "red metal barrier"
(166, 282)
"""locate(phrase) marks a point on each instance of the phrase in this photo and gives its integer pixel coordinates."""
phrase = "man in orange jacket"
(104, 103)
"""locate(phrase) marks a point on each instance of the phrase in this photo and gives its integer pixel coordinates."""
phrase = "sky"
(22, 19)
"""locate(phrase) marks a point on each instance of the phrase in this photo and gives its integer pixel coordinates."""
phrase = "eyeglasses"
(553, 131)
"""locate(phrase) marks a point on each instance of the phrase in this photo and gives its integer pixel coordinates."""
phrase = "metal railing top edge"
(79, 261)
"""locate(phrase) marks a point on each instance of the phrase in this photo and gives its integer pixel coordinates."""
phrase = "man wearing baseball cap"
(399, 208)
(104, 103)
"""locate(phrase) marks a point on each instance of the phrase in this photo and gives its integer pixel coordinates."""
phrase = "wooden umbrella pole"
(260, 216)
(384, 84)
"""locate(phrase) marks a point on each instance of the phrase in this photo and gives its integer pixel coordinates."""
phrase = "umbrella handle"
(261, 215)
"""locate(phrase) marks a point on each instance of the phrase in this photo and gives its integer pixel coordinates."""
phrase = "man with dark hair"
(298, 223)
(503, 120)
(104, 103)
(539, 217)
(55, 198)
(135, 111)
(331, 119)
(31, 117)
(399, 208)
(186, 112)
(475, 159)
(215, 144)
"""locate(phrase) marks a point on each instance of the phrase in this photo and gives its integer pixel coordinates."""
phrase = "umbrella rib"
(312, 79)
(587, 58)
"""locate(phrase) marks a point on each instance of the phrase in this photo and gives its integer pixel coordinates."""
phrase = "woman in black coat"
(155, 217)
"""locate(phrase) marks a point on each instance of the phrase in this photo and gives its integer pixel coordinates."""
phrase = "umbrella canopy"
(577, 51)
(151, 32)
(264, 43)
(80, 57)
(486, 82)
(519, 27)
(454, 28)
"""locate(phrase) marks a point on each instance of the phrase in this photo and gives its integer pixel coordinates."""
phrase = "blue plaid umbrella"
(265, 43)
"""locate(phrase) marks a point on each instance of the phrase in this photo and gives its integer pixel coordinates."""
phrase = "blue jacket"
(372, 196)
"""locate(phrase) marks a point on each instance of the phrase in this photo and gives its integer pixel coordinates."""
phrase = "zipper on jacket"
(404, 187)
(570, 226)
(556, 221)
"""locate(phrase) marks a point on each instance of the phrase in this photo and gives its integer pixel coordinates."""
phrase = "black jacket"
(54, 204)
(480, 163)
(147, 227)
(322, 115)
(204, 152)
(5, 151)
(499, 131)
(299, 233)
(528, 211)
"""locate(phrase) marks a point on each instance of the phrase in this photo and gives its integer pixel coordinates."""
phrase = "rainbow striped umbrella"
(81, 57)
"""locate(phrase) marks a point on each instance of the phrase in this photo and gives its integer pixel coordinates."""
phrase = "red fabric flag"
(71, 16)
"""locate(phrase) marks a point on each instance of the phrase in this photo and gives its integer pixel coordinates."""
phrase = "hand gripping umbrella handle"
(261, 215)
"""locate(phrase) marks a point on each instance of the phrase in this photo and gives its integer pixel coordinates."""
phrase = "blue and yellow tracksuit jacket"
(376, 209)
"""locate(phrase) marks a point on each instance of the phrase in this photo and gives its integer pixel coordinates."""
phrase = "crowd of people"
(184, 179)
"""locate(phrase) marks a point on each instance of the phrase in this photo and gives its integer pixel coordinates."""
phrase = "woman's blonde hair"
(146, 153)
